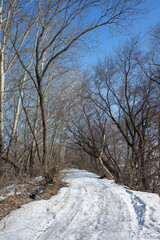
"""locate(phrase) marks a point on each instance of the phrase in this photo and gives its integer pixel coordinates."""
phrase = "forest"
(56, 114)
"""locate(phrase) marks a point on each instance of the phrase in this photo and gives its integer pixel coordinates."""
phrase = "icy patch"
(12, 189)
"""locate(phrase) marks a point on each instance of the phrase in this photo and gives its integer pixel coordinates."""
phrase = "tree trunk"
(1, 103)
(108, 173)
(15, 124)
(63, 142)
(33, 148)
(158, 146)
(2, 78)
(45, 127)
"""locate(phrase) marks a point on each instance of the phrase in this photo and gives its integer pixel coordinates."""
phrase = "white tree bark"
(2, 78)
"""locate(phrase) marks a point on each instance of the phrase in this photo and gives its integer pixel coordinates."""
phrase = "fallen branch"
(109, 174)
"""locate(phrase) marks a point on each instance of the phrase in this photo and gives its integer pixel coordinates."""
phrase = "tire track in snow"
(91, 213)
(89, 209)
(139, 207)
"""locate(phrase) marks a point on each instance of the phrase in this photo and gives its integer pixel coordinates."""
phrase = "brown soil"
(15, 201)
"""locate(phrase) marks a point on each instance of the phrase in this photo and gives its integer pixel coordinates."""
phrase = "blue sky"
(103, 42)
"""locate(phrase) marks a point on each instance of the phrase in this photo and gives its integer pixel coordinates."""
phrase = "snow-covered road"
(88, 209)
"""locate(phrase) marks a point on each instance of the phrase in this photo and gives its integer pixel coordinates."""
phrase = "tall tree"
(58, 26)
(131, 101)
(10, 16)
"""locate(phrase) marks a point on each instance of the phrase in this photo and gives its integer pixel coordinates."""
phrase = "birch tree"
(10, 15)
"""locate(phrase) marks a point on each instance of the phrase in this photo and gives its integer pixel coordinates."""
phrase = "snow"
(15, 189)
(88, 209)
(12, 189)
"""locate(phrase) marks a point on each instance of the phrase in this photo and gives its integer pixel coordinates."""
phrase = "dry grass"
(12, 203)
(15, 201)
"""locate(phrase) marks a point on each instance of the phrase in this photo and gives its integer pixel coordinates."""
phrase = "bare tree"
(37, 93)
(154, 66)
(58, 26)
(130, 100)
(91, 133)
(150, 61)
